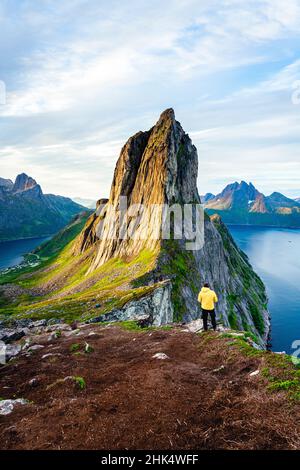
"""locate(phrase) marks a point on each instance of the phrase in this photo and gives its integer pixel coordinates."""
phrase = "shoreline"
(262, 226)
(27, 238)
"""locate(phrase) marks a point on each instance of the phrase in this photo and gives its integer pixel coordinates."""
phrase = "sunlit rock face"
(155, 168)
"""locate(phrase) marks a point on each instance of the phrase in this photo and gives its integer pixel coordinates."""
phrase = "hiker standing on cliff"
(207, 299)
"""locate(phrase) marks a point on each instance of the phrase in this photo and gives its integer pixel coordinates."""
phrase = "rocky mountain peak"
(23, 183)
(155, 167)
(276, 196)
(207, 197)
(6, 183)
(237, 196)
(5, 187)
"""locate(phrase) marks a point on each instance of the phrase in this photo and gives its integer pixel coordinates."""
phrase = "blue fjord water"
(12, 252)
(274, 254)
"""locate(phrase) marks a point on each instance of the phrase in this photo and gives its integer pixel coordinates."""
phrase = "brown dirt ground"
(132, 401)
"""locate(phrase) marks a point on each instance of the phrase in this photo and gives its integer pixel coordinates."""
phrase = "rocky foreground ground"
(119, 387)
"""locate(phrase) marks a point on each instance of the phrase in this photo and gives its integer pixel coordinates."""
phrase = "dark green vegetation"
(80, 382)
(180, 266)
(281, 371)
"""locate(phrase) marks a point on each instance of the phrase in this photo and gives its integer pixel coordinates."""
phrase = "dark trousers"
(212, 317)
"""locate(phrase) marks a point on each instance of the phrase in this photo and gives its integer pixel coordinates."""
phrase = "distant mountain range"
(242, 204)
(26, 212)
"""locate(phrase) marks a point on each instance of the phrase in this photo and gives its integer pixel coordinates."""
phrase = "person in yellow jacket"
(208, 298)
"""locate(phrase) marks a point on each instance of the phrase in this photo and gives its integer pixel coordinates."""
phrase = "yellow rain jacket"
(207, 298)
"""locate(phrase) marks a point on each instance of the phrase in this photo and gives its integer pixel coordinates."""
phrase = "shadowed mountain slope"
(26, 212)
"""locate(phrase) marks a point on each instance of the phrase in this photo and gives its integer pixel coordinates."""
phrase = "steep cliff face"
(159, 167)
(241, 291)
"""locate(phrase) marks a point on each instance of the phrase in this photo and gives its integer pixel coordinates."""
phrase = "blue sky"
(82, 76)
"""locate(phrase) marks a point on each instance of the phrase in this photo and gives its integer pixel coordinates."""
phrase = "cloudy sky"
(82, 76)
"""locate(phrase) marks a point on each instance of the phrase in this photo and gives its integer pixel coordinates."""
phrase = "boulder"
(155, 308)
(7, 406)
(12, 350)
(194, 326)
(9, 335)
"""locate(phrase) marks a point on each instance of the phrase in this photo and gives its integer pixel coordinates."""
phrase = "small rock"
(59, 327)
(254, 345)
(222, 328)
(219, 369)
(36, 347)
(33, 382)
(72, 333)
(92, 333)
(10, 335)
(253, 374)
(12, 350)
(194, 326)
(51, 355)
(54, 321)
(38, 324)
(162, 356)
(7, 406)
(26, 344)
